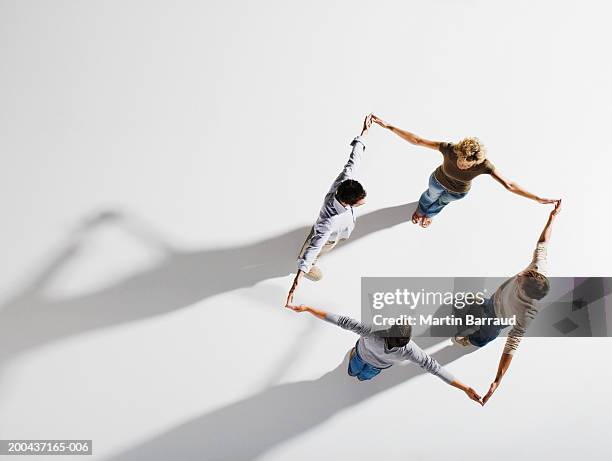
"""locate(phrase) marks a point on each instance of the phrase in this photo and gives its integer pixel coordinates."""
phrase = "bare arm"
(545, 235)
(515, 188)
(406, 135)
(504, 363)
(471, 393)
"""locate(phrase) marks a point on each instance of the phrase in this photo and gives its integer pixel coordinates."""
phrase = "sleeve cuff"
(301, 265)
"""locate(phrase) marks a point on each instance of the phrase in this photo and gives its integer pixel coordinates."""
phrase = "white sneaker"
(461, 341)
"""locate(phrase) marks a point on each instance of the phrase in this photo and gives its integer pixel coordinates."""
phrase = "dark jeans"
(361, 369)
(486, 333)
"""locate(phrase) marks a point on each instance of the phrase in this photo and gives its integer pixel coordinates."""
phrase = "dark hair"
(397, 335)
(350, 191)
(535, 285)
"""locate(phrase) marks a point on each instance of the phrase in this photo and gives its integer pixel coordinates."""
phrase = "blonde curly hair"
(470, 152)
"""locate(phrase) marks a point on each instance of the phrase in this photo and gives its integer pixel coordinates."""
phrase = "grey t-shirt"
(373, 350)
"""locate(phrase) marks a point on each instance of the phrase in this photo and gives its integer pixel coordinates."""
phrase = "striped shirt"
(509, 300)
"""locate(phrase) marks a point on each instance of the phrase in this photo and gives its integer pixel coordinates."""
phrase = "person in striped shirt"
(518, 297)
(377, 350)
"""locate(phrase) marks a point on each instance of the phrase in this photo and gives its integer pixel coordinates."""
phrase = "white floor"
(161, 164)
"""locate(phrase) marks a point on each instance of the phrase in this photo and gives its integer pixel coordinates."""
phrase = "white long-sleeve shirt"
(373, 349)
(509, 300)
(335, 221)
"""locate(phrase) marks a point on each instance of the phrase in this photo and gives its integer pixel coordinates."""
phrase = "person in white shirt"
(336, 219)
(516, 297)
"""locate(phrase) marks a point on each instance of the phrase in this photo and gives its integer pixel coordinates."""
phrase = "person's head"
(533, 284)
(470, 152)
(397, 336)
(351, 192)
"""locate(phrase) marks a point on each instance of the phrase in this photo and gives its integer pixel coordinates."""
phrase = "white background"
(208, 132)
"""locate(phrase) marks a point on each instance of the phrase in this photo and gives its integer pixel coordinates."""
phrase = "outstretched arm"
(342, 321)
(358, 148)
(406, 135)
(517, 189)
(415, 354)
(545, 235)
(504, 363)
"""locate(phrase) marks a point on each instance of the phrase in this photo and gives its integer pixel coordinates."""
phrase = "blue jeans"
(361, 369)
(436, 197)
(486, 333)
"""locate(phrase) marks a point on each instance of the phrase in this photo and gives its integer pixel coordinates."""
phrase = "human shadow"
(181, 278)
(250, 427)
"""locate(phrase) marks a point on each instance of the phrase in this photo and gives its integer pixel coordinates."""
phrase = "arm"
(515, 188)
(538, 261)
(545, 235)
(342, 321)
(418, 356)
(471, 393)
(350, 168)
(407, 136)
(504, 363)
(512, 342)
(320, 234)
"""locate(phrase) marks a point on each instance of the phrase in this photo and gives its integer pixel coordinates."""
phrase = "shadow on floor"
(248, 428)
(29, 319)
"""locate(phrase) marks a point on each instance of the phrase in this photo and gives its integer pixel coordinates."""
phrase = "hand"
(300, 308)
(367, 123)
(556, 210)
(380, 121)
(546, 201)
(473, 395)
(494, 386)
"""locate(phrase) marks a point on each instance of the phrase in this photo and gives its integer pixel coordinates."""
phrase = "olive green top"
(452, 177)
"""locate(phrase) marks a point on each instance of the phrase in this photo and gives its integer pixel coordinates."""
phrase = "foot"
(461, 341)
(315, 274)
(416, 217)
(425, 222)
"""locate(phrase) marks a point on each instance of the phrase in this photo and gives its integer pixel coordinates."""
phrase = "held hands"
(367, 123)
(557, 209)
(380, 121)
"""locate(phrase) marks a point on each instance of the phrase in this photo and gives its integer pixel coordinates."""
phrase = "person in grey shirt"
(336, 219)
(377, 350)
